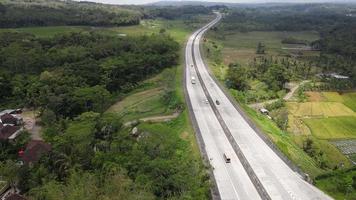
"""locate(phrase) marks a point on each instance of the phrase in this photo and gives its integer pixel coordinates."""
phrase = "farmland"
(333, 127)
(320, 109)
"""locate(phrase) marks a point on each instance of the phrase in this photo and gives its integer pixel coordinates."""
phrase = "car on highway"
(193, 80)
(227, 158)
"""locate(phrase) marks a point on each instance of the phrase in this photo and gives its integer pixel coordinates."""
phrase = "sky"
(229, 1)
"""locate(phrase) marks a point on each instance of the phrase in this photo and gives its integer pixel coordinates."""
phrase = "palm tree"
(9, 171)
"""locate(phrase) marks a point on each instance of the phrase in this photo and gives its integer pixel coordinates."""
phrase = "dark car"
(217, 102)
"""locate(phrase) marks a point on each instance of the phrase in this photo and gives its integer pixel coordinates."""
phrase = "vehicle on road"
(217, 102)
(227, 158)
(206, 101)
(193, 80)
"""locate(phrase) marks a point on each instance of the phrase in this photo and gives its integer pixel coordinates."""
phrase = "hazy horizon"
(222, 1)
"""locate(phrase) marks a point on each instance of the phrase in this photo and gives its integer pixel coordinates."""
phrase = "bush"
(275, 105)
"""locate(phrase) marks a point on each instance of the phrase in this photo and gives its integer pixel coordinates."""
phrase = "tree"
(261, 48)
(9, 170)
(276, 76)
(237, 77)
(48, 117)
(5, 85)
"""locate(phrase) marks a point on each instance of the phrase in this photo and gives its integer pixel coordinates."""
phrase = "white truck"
(193, 80)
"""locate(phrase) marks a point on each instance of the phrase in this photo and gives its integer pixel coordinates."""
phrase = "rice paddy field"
(320, 109)
(328, 117)
(333, 127)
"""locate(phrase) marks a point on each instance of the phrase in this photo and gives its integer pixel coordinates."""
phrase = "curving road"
(256, 171)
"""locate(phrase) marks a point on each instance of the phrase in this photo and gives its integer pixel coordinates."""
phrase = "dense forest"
(54, 13)
(338, 49)
(77, 72)
(288, 18)
(170, 12)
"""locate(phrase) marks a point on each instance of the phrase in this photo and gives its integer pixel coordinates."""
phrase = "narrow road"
(255, 171)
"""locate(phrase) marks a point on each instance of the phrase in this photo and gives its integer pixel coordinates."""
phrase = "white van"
(193, 80)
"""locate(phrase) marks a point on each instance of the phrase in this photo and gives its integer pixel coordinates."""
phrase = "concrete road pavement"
(259, 173)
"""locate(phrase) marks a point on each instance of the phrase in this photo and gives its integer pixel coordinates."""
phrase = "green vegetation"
(79, 71)
(332, 127)
(319, 109)
(255, 51)
(349, 99)
(72, 74)
(343, 184)
(50, 13)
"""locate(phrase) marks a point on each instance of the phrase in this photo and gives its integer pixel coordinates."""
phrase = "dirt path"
(287, 97)
(29, 118)
(260, 105)
(293, 89)
(160, 118)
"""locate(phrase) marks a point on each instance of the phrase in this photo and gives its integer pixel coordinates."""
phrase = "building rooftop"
(34, 150)
(7, 131)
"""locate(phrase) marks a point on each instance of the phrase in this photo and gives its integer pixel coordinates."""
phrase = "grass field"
(241, 47)
(319, 109)
(332, 127)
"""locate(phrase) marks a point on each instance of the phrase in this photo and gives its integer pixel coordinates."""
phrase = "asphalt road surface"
(256, 171)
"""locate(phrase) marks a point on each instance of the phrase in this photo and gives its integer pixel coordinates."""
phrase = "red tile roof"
(34, 150)
(7, 131)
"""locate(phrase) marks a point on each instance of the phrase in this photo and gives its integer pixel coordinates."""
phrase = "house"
(9, 132)
(10, 124)
(12, 119)
(34, 150)
(14, 196)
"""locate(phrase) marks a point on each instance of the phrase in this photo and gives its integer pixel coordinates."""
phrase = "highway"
(256, 171)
